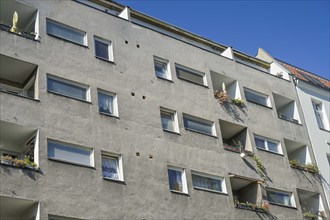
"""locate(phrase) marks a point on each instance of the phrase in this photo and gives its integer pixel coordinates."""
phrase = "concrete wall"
(76, 191)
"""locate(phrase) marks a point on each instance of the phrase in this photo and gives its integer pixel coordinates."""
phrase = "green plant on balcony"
(238, 102)
(6, 159)
(310, 215)
(294, 163)
(311, 167)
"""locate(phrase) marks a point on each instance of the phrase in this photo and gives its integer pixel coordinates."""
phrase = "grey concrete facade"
(64, 189)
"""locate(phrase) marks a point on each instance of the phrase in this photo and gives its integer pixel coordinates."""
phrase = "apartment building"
(107, 113)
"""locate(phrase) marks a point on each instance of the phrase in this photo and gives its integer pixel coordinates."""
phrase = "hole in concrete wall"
(132, 93)
(138, 46)
(144, 97)
(151, 157)
(137, 154)
(126, 42)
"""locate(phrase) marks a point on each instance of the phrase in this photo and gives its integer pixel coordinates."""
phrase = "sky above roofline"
(297, 32)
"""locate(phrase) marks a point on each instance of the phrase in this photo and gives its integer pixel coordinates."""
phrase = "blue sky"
(293, 31)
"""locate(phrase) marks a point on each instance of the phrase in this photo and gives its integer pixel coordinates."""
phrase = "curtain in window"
(160, 69)
(110, 168)
(206, 182)
(105, 103)
(175, 180)
(167, 121)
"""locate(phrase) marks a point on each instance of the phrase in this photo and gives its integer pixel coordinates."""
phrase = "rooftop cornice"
(183, 33)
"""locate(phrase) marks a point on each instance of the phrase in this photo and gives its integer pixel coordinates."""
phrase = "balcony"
(18, 77)
(235, 137)
(286, 109)
(231, 85)
(298, 153)
(248, 194)
(28, 19)
(13, 208)
(19, 145)
(311, 204)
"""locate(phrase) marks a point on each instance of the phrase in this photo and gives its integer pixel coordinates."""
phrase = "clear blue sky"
(293, 31)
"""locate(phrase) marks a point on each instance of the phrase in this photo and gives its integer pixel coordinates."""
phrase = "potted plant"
(311, 167)
(294, 163)
(238, 102)
(309, 215)
(6, 159)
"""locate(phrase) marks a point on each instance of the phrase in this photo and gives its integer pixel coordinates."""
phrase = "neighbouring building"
(107, 113)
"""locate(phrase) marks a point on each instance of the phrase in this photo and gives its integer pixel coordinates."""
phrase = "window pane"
(66, 89)
(175, 180)
(160, 69)
(110, 167)
(272, 146)
(280, 198)
(190, 76)
(167, 121)
(260, 142)
(68, 153)
(197, 126)
(206, 182)
(255, 98)
(101, 49)
(65, 32)
(105, 103)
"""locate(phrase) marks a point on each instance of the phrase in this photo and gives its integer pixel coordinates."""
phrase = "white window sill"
(71, 163)
(179, 192)
(210, 190)
(273, 152)
(114, 180)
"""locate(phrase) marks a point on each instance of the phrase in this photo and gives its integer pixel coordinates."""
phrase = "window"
(280, 197)
(199, 125)
(190, 75)
(65, 32)
(256, 97)
(267, 144)
(162, 69)
(103, 49)
(112, 167)
(107, 103)
(208, 182)
(320, 115)
(177, 179)
(169, 120)
(70, 153)
(67, 88)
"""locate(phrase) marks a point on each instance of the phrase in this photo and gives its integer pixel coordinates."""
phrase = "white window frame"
(64, 26)
(211, 176)
(289, 194)
(174, 119)
(70, 82)
(183, 178)
(321, 117)
(119, 159)
(110, 48)
(266, 97)
(73, 146)
(201, 121)
(192, 72)
(114, 102)
(266, 140)
(166, 63)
